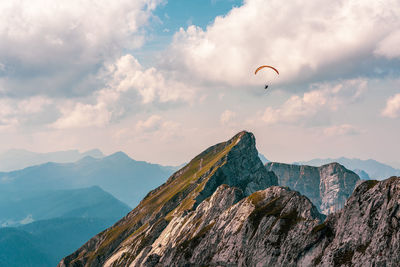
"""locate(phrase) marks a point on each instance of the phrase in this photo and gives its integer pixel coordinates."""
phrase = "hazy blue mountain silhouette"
(16, 209)
(126, 179)
(15, 159)
(45, 243)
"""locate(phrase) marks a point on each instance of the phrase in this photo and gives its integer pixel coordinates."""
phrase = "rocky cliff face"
(234, 163)
(366, 232)
(277, 227)
(328, 186)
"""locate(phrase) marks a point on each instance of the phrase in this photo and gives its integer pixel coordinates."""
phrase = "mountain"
(19, 248)
(234, 163)
(395, 164)
(362, 174)
(126, 179)
(374, 169)
(271, 227)
(16, 159)
(263, 158)
(328, 186)
(90, 202)
(38, 243)
(63, 221)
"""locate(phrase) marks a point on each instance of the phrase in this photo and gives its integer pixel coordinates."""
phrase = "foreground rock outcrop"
(279, 227)
(328, 186)
(366, 232)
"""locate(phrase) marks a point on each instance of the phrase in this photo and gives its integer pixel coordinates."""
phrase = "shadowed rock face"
(327, 186)
(234, 163)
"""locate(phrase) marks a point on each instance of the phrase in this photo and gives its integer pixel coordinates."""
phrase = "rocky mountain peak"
(234, 163)
(224, 209)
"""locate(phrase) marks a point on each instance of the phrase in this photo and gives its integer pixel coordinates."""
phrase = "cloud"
(153, 123)
(392, 109)
(130, 87)
(52, 47)
(156, 127)
(389, 47)
(305, 41)
(340, 130)
(315, 106)
(227, 116)
(14, 112)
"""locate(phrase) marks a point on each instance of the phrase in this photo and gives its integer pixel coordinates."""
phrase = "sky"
(163, 80)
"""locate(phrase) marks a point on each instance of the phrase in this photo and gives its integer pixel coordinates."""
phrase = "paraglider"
(266, 66)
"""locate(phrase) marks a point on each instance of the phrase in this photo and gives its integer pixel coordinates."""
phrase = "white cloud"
(392, 109)
(317, 104)
(126, 74)
(302, 39)
(156, 127)
(390, 46)
(55, 42)
(339, 130)
(227, 116)
(13, 112)
(153, 123)
(129, 87)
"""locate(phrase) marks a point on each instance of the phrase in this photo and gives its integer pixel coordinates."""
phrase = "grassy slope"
(184, 185)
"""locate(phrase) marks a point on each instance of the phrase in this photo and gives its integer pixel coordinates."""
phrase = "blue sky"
(163, 80)
(170, 16)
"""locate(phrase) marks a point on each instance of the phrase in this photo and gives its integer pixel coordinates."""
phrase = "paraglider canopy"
(266, 66)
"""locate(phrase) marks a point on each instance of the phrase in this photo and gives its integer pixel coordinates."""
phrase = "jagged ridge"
(234, 163)
(280, 227)
(327, 186)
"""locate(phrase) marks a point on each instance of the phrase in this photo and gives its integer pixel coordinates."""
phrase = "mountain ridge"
(327, 186)
(234, 162)
(16, 159)
(109, 173)
(374, 169)
(224, 208)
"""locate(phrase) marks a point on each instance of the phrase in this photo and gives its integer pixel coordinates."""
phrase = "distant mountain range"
(50, 224)
(16, 159)
(44, 243)
(18, 209)
(126, 179)
(375, 169)
(47, 211)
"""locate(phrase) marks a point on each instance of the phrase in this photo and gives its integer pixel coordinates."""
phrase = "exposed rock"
(234, 163)
(265, 229)
(280, 227)
(327, 186)
(367, 229)
(210, 214)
